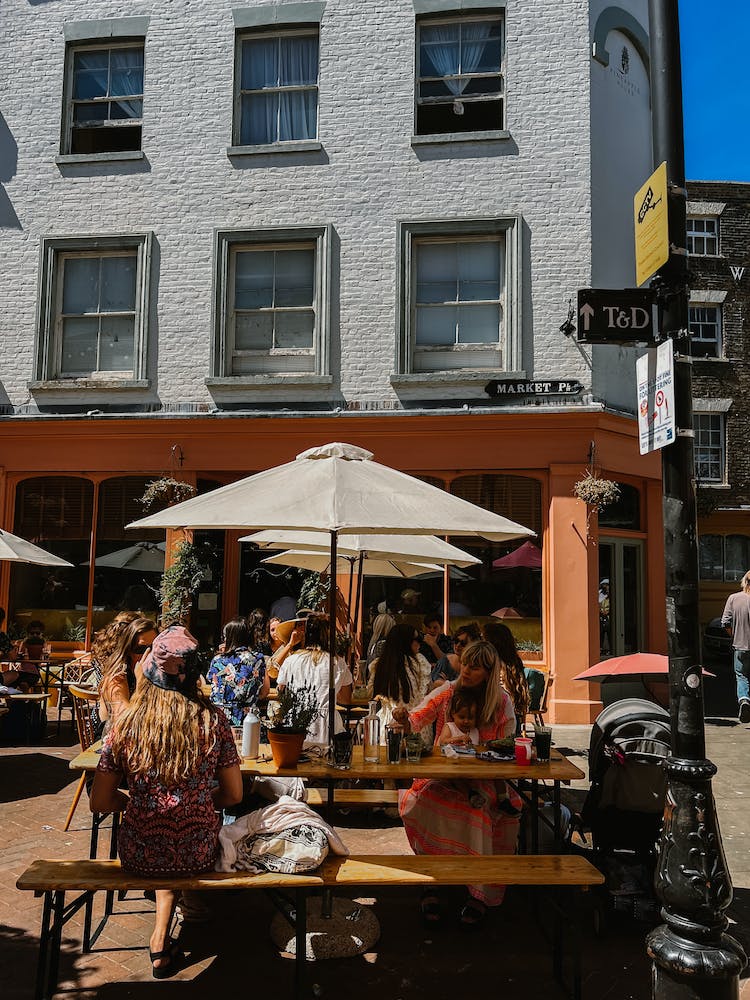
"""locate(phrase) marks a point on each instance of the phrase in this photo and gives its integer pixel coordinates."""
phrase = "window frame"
(54, 251)
(691, 235)
(227, 243)
(109, 43)
(278, 32)
(724, 576)
(718, 340)
(458, 17)
(722, 447)
(411, 234)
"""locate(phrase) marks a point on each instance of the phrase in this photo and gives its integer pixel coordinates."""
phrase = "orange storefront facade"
(71, 484)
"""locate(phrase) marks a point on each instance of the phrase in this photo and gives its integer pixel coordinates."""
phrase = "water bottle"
(250, 735)
(372, 734)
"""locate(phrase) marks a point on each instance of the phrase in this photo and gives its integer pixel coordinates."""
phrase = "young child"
(461, 719)
(461, 727)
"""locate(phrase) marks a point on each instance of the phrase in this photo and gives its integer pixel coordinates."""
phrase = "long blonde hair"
(164, 733)
(121, 642)
(490, 695)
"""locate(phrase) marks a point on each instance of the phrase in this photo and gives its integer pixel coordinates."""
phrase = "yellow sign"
(651, 225)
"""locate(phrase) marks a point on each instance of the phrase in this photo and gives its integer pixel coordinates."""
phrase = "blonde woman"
(461, 817)
(176, 752)
(120, 665)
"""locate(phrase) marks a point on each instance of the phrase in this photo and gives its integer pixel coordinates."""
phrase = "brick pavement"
(234, 949)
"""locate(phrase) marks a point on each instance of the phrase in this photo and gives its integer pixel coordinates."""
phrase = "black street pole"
(693, 959)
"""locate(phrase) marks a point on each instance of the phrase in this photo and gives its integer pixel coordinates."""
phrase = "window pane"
(259, 119)
(253, 285)
(478, 324)
(125, 109)
(299, 61)
(486, 38)
(118, 276)
(90, 112)
(295, 329)
(79, 346)
(126, 72)
(81, 285)
(298, 115)
(472, 86)
(709, 557)
(260, 63)
(90, 83)
(253, 332)
(479, 271)
(116, 344)
(436, 272)
(436, 326)
(439, 50)
(295, 271)
(737, 557)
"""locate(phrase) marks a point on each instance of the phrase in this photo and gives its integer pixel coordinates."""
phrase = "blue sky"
(715, 40)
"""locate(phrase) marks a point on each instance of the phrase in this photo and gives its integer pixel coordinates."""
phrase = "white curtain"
(279, 115)
(450, 58)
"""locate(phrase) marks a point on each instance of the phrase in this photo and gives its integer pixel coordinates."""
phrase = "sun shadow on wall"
(8, 167)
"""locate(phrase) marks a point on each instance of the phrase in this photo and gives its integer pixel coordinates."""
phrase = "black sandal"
(429, 906)
(173, 954)
(472, 914)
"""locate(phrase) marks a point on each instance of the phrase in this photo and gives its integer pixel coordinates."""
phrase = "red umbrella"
(506, 613)
(633, 663)
(527, 556)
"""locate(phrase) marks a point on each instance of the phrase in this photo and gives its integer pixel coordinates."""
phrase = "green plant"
(166, 492)
(596, 492)
(529, 646)
(74, 632)
(182, 580)
(294, 710)
(314, 591)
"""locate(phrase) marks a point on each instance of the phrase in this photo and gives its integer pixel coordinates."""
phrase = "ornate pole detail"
(693, 957)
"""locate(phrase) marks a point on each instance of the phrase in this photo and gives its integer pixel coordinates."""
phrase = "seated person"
(26, 675)
(446, 668)
(461, 719)
(237, 675)
(435, 644)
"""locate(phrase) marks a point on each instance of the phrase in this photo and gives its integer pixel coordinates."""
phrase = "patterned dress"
(236, 679)
(173, 830)
(461, 817)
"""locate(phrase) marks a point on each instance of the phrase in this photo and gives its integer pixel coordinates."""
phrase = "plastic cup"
(342, 751)
(371, 738)
(393, 740)
(542, 742)
(523, 750)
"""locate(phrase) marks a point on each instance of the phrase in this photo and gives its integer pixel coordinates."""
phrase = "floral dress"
(236, 679)
(462, 817)
(173, 830)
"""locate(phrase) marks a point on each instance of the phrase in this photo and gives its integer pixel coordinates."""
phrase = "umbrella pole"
(357, 599)
(332, 640)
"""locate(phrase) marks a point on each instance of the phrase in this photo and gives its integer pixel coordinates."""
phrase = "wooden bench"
(53, 879)
(353, 797)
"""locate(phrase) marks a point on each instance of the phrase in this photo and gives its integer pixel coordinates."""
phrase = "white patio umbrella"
(15, 549)
(143, 557)
(336, 488)
(413, 548)
(320, 562)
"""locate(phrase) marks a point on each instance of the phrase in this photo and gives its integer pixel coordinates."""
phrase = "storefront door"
(620, 596)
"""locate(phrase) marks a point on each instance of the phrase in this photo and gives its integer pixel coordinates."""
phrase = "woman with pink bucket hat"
(171, 746)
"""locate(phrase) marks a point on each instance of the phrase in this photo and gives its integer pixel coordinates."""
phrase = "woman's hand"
(401, 718)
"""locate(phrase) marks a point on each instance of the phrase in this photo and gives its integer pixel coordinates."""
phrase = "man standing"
(736, 620)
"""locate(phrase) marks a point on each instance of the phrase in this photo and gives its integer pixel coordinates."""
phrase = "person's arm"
(105, 796)
(116, 693)
(265, 686)
(727, 618)
(424, 714)
(229, 790)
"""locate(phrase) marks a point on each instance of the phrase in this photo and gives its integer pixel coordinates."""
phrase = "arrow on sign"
(586, 311)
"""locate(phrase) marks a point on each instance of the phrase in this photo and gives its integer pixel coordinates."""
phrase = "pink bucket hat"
(172, 660)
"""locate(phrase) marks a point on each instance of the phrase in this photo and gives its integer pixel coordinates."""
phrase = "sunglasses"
(460, 642)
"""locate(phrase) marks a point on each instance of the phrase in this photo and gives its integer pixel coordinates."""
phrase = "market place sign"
(514, 388)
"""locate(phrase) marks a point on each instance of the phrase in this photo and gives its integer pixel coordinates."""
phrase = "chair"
(83, 700)
(540, 697)
(70, 672)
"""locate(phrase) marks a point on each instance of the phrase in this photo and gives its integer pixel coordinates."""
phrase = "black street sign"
(616, 316)
(515, 387)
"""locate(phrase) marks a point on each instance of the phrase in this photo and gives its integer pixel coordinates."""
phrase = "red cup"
(523, 750)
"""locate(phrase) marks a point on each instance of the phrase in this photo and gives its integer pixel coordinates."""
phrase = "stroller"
(630, 741)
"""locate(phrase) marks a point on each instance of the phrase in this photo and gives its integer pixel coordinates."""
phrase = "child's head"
(35, 629)
(463, 710)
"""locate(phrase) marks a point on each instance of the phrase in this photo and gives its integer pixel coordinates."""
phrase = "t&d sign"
(616, 316)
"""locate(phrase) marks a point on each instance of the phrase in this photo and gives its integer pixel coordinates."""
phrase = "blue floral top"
(236, 679)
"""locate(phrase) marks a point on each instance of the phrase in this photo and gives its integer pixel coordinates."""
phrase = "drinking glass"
(393, 738)
(542, 742)
(372, 738)
(413, 746)
(342, 751)
(237, 737)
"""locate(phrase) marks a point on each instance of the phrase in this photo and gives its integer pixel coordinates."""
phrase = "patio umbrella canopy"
(629, 665)
(413, 548)
(526, 556)
(320, 562)
(336, 488)
(144, 557)
(15, 549)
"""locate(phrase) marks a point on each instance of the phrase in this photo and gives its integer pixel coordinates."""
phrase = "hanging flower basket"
(596, 492)
(166, 492)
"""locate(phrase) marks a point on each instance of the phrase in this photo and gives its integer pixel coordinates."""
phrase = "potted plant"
(293, 711)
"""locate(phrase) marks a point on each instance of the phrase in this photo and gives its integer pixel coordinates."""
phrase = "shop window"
(272, 303)
(458, 307)
(277, 88)
(702, 236)
(705, 330)
(94, 310)
(625, 512)
(460, 84)
(104, 98)
(54, 512)
(723, 557)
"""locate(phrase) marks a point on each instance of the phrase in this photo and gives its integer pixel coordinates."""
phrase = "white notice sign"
(655, 378)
